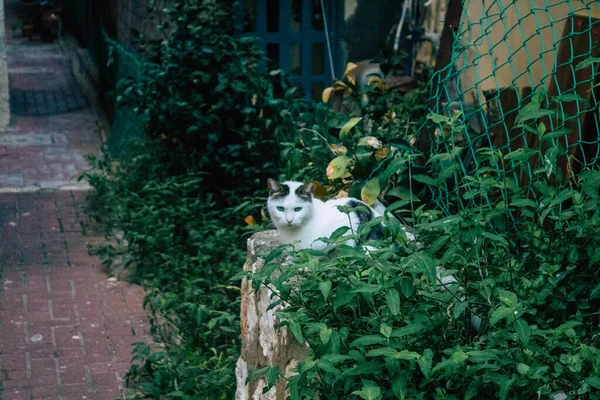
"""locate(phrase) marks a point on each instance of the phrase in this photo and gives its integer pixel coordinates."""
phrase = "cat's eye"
(298, 209)
(280, 208)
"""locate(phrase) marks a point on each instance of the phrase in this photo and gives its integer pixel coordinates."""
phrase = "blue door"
(293, 36)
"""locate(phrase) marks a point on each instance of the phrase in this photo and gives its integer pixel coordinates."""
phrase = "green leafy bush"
(521, 321)
(176, 200)
(178, 245)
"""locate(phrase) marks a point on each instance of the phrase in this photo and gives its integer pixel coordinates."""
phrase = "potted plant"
(50, 14)
(27, 28)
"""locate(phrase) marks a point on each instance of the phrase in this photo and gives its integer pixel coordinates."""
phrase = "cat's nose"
(289, 221)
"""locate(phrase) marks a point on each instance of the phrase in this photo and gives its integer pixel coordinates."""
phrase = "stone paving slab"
(66, 327)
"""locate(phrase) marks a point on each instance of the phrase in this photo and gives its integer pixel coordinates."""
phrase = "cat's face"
(290, 203)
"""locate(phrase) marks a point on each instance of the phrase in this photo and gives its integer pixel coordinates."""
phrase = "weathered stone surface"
(262, 344)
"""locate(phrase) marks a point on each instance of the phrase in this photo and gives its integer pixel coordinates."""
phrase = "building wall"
(514, 43)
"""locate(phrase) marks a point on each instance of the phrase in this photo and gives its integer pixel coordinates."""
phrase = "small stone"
(12, 223)
(36, 338)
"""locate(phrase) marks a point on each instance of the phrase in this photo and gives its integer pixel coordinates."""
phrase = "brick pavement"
(66, 327)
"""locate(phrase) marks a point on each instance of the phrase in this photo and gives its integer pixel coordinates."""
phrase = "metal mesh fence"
(524, 75)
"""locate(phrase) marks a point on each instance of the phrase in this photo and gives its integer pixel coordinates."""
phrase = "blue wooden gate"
(293, 36)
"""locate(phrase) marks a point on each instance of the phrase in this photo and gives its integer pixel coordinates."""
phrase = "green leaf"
(425, 263)
(570, 97)
(501, 313)
(407, 330)
(382, 352)
(495, 238)
(529, 115)
(370, 191)
(272, 376)
(446, 222)
(393, 301)
(482, 356)
(437, 118)
(399, 386)
(438, 243)
(327, 366)
(364, 369)
(366, 288)
(523, 203)
(402, 193)
(588, 62)
(520, 155)
(523, 369)
(368, 340)
(424, 179)
(369, 393)
(338, 167)
(407, 355)
(385, 330)
(348, 127)
(595, 257)
(523, 331)
(407, 287)
(296, 330)
(505, 388)
(343, 296)
(325, 335)
(593, 381)
(394, 167)
(325, 288)
(425, 363)
(509, 299)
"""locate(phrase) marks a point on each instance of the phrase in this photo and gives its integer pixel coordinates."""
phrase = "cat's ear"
(274, 186)
(306, 191)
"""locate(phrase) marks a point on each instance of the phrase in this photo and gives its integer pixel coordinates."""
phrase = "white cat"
(300, 217)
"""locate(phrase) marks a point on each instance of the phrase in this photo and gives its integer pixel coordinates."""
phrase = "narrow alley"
(66, 327)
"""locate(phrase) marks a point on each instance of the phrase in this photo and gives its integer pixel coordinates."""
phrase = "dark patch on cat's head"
(306, 192)
(276, 189)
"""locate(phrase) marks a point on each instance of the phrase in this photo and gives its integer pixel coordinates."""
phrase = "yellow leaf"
(338, 149)
(339, 85)
(342, 194)
(377, 82)
(370, 141)
(382, 153)
(370, 191)
(163, 136)
(326, 94)
(337, 167)
(320, 191)
(250, 220)
(263, 215)
(349, 67)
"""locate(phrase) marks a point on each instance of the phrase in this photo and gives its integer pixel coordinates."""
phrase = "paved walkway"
(66, 327)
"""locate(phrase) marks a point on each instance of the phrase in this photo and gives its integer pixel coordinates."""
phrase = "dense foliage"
(520, 322)
(175, 201)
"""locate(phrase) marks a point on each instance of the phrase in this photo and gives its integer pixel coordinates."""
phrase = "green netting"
(515, 60)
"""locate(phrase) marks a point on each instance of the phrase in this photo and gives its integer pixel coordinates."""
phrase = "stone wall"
(262, 343)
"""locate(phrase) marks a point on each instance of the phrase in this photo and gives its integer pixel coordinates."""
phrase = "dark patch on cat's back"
(284, 192)
(365, 214)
